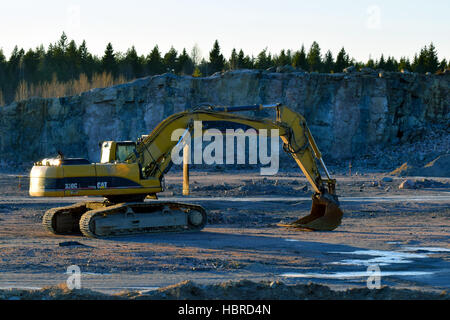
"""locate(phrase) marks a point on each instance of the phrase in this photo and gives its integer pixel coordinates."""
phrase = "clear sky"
(396, 27)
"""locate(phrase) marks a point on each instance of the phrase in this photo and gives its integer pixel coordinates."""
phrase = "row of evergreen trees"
(67, 61)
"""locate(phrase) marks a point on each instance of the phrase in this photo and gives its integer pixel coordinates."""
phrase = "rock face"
(347, 113)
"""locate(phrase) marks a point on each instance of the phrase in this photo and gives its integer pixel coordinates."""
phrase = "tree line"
(64, 65)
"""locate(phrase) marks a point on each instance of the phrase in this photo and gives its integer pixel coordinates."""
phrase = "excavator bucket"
(325, 215)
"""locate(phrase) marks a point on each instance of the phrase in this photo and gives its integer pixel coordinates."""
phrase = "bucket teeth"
(325, 215)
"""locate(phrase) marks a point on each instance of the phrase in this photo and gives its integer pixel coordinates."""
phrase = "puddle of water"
(382, 258)
(429, 249)
(141, 290)
(95, 274)
(377, 257)
(385, 258)
(19, 288)
(354, 274)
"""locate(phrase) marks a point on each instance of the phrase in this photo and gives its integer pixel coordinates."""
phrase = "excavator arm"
(153, 153)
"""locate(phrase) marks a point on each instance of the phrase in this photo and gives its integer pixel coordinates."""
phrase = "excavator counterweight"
(129, 172)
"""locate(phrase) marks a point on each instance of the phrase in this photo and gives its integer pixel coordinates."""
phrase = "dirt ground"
(241, 253)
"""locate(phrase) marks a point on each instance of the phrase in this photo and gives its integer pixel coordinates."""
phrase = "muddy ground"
(241, 253)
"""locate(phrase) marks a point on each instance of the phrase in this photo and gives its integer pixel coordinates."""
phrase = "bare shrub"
(54, 88)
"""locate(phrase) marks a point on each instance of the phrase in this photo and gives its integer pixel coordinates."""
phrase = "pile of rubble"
(439, 167)
(434, 143)
(422, 183)
(230, 290)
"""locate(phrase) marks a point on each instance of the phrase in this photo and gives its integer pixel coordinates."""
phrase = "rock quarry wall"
(347, 113)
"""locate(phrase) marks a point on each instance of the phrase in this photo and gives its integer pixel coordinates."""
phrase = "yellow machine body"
(60, 177)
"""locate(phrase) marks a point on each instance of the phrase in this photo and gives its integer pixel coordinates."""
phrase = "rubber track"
(88, 218)
(50, 223)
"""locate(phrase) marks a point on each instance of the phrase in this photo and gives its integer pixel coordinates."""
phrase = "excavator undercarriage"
(129, 172)
(102, 219)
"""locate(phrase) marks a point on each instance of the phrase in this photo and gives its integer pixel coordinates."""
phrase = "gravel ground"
(241, 253)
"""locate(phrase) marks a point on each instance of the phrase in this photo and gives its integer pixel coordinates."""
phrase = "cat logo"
(102, 185)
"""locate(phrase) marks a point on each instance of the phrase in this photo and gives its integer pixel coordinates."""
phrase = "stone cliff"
(347, 113)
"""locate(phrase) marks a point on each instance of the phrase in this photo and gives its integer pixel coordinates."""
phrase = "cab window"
(123, 151)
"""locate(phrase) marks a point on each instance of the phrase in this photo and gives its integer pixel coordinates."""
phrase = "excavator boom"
(129, 172)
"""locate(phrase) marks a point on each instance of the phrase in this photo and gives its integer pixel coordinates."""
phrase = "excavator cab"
(116, 151)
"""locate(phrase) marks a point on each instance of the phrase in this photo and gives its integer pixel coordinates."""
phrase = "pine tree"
(244, 61)
(342, 61)
(264, 60)
(203, 66)
(391, 64)
(109, 62)
(381, 63)
(241, 60)
(72, 61)
(90, 64)
(370, 63)
(404, 64)
(15, 63)
(155, 64)
(62, 43)
(299, 59)
(328, 63)
(358, 64)
(420, 62)
(443, 65)
(83, 51)
(185, 64)
(431, 59)
(234, 60)
(170, 60)
(216, 59)
(14, 73)
(3, 65)
(289, 57)
(133, 65)
(31, 61)
(314, 59)
(282, 59)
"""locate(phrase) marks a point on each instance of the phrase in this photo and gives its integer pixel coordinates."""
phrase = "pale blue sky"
(398, 28)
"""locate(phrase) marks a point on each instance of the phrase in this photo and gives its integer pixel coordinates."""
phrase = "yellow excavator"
(129, 172)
